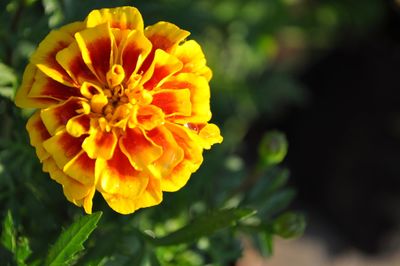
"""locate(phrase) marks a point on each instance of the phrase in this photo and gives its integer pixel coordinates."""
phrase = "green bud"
(273, 148)
(289, 225)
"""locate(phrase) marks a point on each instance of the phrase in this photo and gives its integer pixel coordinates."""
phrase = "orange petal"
(149, 117)
(96, 48)
(164, 35)
(199, 96)
(191, 162)
(22, 99)
(172, 154)
(45, 87)
(57, 116)
(152, 195)
(37, 134)
(100, 144)
(163, 66)
(173, 102)
(140, 150)
(121, 17)
(134, 50)
(118, 177)
(78, 125)
(63, 147)
(192, 57)
(71, 60)
(81, 168)
(45, 56)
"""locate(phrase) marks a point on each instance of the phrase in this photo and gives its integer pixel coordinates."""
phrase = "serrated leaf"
(8, 235)
(204, 225)
(71, 240)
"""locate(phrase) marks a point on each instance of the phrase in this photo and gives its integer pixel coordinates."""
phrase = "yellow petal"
(22, 99)
(126, 17)
(191, 162)
(73, 190)
(37, 134)
(81, 169)
(134, 50)
(70, 58)
(192, 57)
(172, 154)
(162, 67)
(46, 87)
(45, 56)
(210, 135)
(78, 125)
(57, 116)
(149, 117)
(164, 35)
(100, 144)
(173, 102)
(140, 150)
(117, 176)
(96, 45)
(199, 96)
(63, 147)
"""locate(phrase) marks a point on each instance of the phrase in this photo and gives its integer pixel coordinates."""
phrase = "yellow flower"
(122, 109)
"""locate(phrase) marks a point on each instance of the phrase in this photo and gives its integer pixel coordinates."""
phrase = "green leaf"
(23, 251)
(204, 225)
(8, 235)
(289, 225)
(71, 240)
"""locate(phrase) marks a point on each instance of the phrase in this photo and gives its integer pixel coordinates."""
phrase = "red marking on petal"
(57, 116)
(99, 53)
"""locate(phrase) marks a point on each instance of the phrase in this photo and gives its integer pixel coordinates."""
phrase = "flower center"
(116, 100)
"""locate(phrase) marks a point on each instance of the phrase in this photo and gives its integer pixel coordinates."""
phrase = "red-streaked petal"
(45, 87)
(140, 150)
(100, 144)
(57, 116)
(163, 66)
(78, 125)
(121, 17)
(134, 50)
(164, 35)
(96, 45)
(45, 56)
(199, 96)
(173, 102)
(37, 134)
(63, 147)
(71, 60)
(22, 99)
(172, 154)
(192, 57)
(117, 176)
(149, 117)
(81, 168)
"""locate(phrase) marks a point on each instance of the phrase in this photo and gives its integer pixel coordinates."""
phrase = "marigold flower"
(122, 109)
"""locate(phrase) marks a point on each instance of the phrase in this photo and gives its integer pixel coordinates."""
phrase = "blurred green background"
(323, 72)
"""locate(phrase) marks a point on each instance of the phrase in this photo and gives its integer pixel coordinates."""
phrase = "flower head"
(121, 109)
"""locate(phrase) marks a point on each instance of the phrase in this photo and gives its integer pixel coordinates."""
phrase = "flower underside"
(122, 110)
